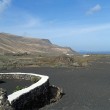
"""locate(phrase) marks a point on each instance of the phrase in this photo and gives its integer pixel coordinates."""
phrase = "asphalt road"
(85, 88)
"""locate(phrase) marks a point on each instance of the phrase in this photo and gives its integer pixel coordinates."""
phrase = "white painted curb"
(17, 94)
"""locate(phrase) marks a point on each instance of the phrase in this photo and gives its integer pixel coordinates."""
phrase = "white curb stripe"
(17, 94)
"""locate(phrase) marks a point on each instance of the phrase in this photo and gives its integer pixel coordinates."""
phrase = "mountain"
(17, 44)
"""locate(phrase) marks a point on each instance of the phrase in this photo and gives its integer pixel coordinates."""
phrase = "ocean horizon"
(94, 52)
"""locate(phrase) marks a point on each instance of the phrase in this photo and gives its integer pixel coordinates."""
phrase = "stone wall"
(34, 96)
(25, 76)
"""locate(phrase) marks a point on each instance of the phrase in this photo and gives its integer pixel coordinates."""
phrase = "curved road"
(85, 88)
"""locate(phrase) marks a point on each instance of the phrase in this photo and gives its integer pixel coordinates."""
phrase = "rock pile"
(55, 93)
(4, 103)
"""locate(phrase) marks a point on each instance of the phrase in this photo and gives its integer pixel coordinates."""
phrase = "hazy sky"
(80, 24)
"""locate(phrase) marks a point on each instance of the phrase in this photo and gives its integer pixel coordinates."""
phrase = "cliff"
(18, 44)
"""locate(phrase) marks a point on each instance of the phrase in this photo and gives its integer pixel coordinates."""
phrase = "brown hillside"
(18, 44)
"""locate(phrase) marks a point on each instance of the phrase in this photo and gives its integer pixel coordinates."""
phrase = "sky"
(83, 25)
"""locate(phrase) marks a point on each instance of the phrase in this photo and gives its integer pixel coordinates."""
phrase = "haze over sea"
(94, 52)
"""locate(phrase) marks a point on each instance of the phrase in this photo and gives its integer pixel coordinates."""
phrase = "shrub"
(35, 79)
(18, 88)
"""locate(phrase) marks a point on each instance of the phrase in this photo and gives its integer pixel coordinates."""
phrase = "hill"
(18, 44)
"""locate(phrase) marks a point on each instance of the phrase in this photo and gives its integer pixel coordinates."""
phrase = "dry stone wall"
(34, 96)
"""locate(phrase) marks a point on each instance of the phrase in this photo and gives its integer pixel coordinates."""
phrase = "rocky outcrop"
(55, 93)
(4, 103)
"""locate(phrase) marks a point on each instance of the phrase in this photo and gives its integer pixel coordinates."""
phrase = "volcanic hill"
(18, 44)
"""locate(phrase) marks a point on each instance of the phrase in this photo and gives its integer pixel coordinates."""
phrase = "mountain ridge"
(10, 43)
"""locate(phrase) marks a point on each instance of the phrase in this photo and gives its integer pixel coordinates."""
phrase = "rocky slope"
(18, 44)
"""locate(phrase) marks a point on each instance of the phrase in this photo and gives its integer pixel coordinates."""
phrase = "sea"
(90, 52)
